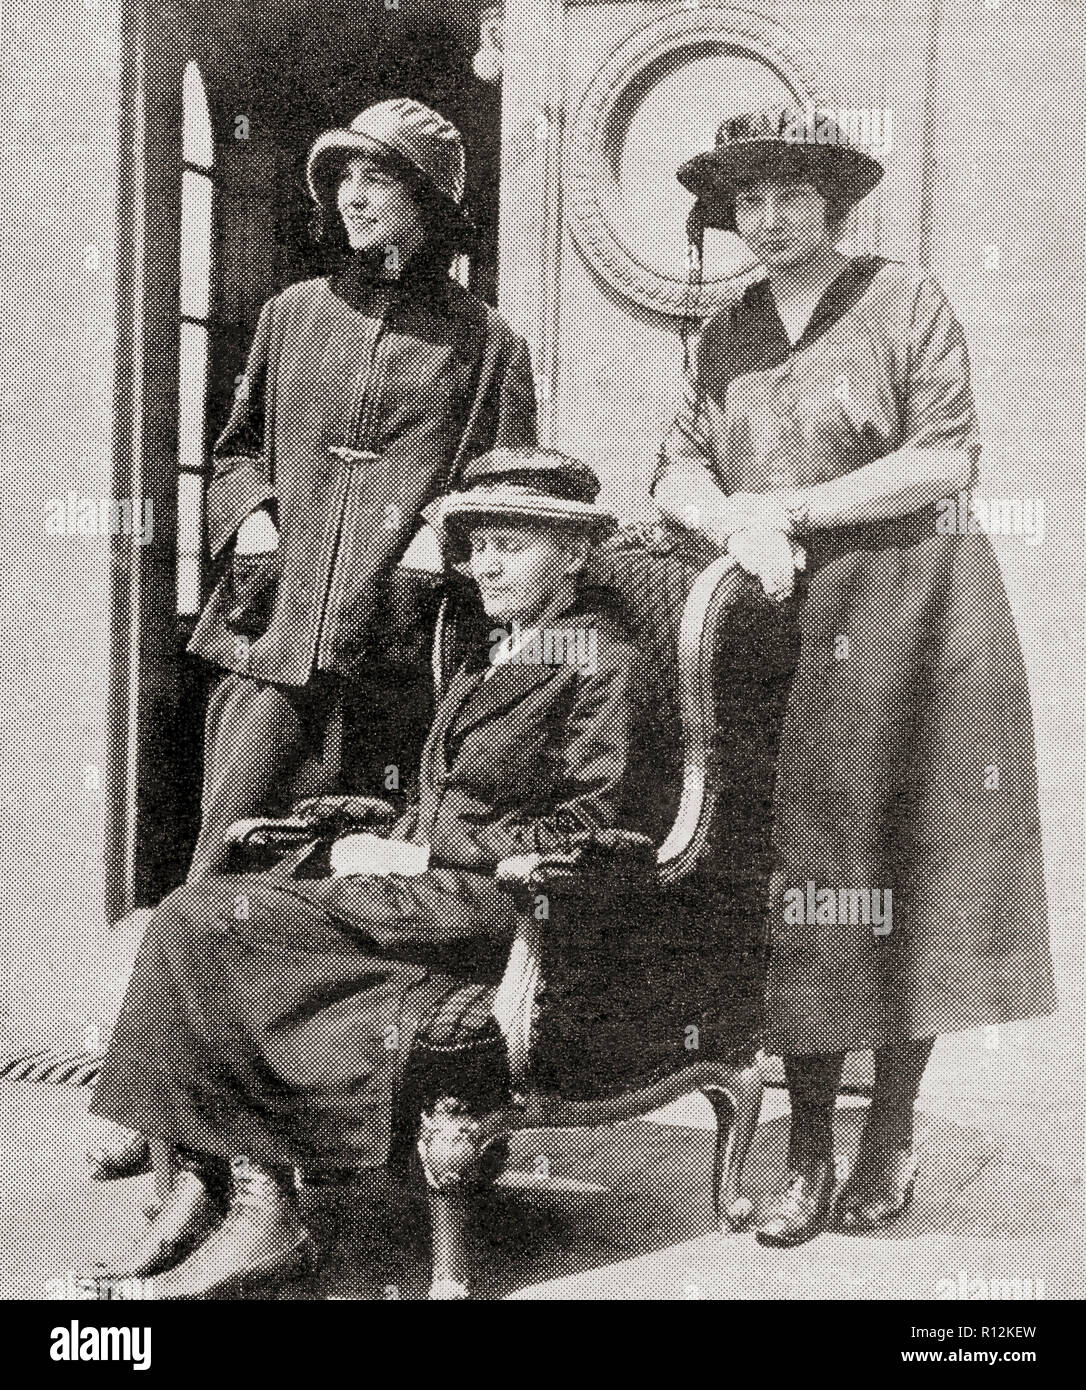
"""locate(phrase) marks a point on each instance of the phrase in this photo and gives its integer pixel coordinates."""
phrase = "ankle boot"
(803, 1210)
(116, 1152)
(192, 1208)
(260, 1240)
(880, 1186)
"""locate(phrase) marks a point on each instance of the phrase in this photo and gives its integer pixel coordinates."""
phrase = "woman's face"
(783, 221)
(378, 210)
(520, 570)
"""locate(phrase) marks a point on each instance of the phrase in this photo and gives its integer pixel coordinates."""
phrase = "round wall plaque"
(656, 100)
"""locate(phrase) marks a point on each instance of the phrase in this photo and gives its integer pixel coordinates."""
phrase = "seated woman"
(269, 1020)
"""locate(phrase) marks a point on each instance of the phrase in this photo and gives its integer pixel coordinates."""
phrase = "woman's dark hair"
(458, 531)
(837, 210)
(448, 232)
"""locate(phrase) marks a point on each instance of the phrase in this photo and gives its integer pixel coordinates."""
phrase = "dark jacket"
(415, 379)
(517, 759)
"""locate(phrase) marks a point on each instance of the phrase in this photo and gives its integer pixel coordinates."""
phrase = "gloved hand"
(589, 857)
(741, 511)
(363, 853)
(771, 556)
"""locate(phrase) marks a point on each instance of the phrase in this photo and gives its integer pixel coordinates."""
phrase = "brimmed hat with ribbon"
(792, 142)
(402, 130)
(539, 486)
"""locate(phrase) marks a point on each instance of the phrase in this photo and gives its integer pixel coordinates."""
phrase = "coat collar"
(755, 317)
(479, 698)
(424, 304)
(361, 282)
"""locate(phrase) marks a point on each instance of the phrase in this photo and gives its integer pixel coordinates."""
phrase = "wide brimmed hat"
(807, 142)
(541, 486)
(403, 130)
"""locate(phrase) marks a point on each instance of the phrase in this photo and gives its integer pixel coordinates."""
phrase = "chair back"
(627, 977)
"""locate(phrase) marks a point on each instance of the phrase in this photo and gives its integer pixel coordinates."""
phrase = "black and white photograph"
(543, 684)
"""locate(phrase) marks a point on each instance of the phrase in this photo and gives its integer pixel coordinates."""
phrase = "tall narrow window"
(198, 153)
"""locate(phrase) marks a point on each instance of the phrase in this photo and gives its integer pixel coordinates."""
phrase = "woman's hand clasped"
(772, 556)
(377, 857)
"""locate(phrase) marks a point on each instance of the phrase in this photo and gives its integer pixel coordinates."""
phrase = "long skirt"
(259, 1022)
(910, 894)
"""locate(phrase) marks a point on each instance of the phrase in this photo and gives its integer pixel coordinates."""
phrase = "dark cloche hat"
(539, 485)
(775, 144)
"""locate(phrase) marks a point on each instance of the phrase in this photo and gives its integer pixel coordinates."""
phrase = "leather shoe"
(804, 1209)
(116, 1152)
(260, 1241)
(183, 1220)
(878, 1190)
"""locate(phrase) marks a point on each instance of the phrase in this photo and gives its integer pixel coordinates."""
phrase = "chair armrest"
(591, 865)
(593, 857)
(314, 818)
(338, 815)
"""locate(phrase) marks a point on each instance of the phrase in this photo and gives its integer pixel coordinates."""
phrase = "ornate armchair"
(670, 938)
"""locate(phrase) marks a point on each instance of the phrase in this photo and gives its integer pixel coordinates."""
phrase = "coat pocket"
(254, 583)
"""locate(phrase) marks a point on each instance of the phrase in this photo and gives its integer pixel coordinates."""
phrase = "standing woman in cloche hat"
(828, 415)
(365, 395)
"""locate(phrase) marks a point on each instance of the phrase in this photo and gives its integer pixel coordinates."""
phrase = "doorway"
(219, 110)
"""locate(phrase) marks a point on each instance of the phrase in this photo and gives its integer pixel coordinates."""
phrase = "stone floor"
(621, 1213)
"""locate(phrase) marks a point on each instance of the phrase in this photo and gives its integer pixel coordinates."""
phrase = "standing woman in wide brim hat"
(828, 415)
(365, 395)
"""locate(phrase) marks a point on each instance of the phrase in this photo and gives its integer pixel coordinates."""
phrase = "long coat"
(413, 379)
(282, 1031)
(907, 762)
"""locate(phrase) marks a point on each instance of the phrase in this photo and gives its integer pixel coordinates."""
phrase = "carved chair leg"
(737, 1102)
(461, 1154)
(163, 1167)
